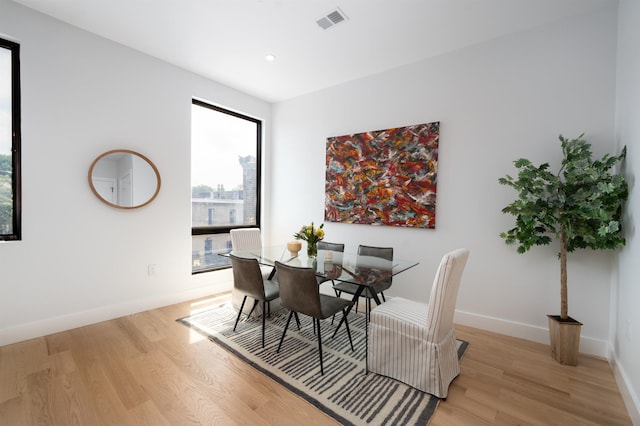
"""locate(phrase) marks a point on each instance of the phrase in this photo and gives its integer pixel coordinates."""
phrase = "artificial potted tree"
(580, 206)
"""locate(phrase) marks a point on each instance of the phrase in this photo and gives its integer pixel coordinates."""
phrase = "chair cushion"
(352, 288)
(271, 290)
(403, 316)
(346, 287)
(331, 305)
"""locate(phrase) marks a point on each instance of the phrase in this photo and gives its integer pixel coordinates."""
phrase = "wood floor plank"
(41, 395)
(148, 369)
(147, 414)
(14, 411)
(70, 401)
(16, 364)
(526, 386)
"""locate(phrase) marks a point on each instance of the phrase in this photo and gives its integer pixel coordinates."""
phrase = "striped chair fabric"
(246, 239)
(415, 342)
(249, 239)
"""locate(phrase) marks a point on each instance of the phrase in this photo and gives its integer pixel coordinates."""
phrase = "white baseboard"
(48, 326)
(631, 399)
(588, 345)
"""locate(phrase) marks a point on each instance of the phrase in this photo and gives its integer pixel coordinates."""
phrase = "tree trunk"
(564, 304)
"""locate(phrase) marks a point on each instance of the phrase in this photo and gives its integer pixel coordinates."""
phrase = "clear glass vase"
(312, 250)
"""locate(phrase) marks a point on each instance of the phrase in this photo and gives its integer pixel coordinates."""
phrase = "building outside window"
(225, 181)
(10, 196)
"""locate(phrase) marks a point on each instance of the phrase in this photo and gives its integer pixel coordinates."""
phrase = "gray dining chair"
(246, 239)
(332, 247)
(249, 282)
(369, 292)
(415, 342)
(300, 293)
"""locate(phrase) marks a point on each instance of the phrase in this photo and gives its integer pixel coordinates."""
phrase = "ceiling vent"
(332, 18)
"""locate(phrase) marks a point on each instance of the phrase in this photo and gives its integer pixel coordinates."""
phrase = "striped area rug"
(345, 392)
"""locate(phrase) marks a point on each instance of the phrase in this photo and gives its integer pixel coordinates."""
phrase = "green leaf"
(584, 198)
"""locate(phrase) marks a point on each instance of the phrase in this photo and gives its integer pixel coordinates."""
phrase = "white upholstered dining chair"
(246, 238)
(414, 342)
(249, 239)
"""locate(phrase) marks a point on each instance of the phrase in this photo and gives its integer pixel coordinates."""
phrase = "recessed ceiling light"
(270, 57)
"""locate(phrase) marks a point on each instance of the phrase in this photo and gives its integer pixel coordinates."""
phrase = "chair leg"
(264, 317)
(255, 303)
(338, 292)
(346, 323)
(319, 346)
(297, 320)
(367, 312)
(337, 328)
(285, 330)
(383, 299)
(239, 312)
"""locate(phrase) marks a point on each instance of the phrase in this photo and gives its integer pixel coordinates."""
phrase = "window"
(225, 181)
(10, 213)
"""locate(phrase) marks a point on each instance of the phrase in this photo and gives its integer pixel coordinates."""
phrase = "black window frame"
(210, 230)
(16, 177)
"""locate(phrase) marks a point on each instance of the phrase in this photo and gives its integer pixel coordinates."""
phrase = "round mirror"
(124, 179)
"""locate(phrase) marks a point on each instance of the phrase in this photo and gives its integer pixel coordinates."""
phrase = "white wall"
(625, 334)
(496, 102)
(80, 260)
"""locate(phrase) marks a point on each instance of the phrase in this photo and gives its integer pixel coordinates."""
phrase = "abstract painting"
(385, 177)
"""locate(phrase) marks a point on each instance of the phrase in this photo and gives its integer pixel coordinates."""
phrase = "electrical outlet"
(151, 269)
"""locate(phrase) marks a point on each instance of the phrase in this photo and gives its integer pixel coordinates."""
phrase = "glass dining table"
(363, 271)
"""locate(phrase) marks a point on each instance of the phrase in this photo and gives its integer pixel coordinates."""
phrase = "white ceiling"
(227, 40)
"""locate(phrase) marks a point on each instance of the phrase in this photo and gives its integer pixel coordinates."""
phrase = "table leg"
(361, 288)
(273, 272)
(355, 298)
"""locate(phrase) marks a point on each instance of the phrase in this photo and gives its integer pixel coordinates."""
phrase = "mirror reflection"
(124, 179)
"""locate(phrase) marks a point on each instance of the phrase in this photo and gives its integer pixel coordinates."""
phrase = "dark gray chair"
(334, 247)
(369, 292)
(300, 293)
(248, 281)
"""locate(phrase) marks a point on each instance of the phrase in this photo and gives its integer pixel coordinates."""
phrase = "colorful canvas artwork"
(386, 177)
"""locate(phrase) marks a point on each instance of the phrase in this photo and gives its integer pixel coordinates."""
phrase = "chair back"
(444, 294)
(323, 245)
(330, 260)
(299, 290)
(381, 252)
(385, 253)
(247, 277)
(246, 239)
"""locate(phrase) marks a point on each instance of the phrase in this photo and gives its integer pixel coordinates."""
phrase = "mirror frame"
(124, 151)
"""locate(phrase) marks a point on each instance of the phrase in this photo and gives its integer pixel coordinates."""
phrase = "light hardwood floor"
(147, 369)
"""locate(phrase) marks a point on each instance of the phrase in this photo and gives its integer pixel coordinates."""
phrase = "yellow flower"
(310, 234)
